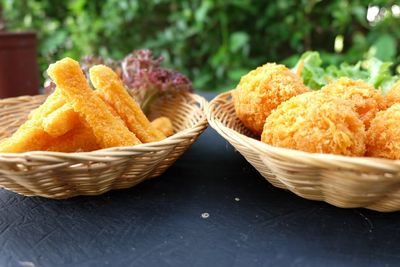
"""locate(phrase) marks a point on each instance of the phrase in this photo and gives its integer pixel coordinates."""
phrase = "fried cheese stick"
(30, 136)
(79, 139)
(60, 121)
(52, 103)
(63, 119)
(164, 125)
(108, 129)
(110, 88)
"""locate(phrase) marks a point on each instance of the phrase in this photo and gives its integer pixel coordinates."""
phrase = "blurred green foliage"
(214, 42)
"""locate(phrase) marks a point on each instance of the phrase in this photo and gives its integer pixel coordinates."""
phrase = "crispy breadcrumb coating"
(393, 95)
(111, 89)
(262, 90)
(383, 136)
(30, 136)
(108, 129)
(316, 122)
(78, 139)
(366, 100)
(164, 125)
(60, 121)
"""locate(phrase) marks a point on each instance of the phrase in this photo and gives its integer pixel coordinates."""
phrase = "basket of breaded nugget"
(90, 134)
(324, 133)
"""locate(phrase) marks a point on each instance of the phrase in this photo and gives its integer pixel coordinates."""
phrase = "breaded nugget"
(316, 122)
(111, 89)
(383, 136)
(366, 100)
(393, 95)
(262, 90)
(164, 125)
(108, 129)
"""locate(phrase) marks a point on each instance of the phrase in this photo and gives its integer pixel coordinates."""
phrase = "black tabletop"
(211, 208)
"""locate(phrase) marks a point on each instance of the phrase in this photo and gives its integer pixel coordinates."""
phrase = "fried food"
(383, 136)
(79, 139)
(76, 118)
(164, 125)
(393, 95)
(63, 119)
(262, 90)
(110, 88)
(366, 100)
(60, 121)
(318, 123)
(108, 129)
(30, 136)
(52, 103)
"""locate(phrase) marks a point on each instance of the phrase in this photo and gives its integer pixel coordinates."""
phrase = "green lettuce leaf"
(374, 71)
(312, 73)
(380, 75)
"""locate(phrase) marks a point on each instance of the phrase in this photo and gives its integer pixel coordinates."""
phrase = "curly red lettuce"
(143, 75)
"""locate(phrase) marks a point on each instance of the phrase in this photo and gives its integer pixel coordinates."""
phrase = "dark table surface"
(163, 222)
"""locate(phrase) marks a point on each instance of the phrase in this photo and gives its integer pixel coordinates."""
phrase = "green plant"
(374, 71)
(214, 42)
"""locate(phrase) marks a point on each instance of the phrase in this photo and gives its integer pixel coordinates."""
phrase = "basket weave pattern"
(63, 175)
(347, 182)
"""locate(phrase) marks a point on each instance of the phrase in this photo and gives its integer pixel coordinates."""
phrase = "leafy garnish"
(142, 73)
(374, 71)
(312, 72)
(89, 61)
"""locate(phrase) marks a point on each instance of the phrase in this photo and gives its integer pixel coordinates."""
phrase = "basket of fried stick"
(81, 140)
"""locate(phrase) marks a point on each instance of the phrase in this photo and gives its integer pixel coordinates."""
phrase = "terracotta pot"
(19, 73)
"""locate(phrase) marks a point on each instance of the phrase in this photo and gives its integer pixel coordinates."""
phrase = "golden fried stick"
(52, 103)
(109, 86)
(63, 119)
(108, 129)
(27, 138)
(79, 139)
(60, 121)
(164, 125)
(30, 136)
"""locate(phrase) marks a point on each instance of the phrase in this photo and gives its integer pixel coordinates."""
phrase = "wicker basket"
(64, 175)
(346, 182)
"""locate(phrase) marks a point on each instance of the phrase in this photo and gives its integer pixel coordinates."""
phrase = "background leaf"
(211, 41)
(385, 47)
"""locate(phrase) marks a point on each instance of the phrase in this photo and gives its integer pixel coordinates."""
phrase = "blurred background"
(214, 42)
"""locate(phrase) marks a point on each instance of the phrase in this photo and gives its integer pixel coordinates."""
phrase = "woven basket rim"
(330, 159)
(148, 147)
